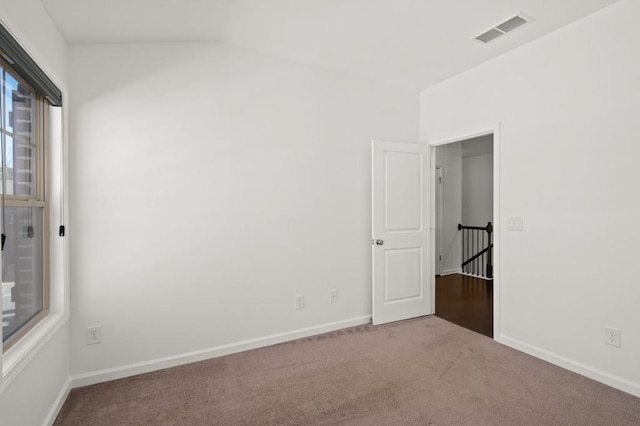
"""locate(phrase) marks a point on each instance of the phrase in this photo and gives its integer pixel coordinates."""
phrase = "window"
(27, 137)
(24, 211)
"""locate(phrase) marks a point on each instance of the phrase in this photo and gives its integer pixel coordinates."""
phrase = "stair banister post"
(489, 260)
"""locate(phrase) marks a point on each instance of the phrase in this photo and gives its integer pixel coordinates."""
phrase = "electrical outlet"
(514, 224)
(612, 336)
(299, 302)
(333, 295)
(94, 334)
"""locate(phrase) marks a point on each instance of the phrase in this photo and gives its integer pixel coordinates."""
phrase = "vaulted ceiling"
(411, 43)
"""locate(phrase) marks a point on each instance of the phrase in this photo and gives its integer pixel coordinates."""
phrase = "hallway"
(466, 301)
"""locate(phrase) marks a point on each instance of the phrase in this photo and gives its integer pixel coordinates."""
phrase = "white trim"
(495, 131)
(473, 135)
(617, 382)
(458, 271)
(432, 231)
(100, 376)
(497, 233)
(16, 358)
(58, 403)
(480, 277)
(438, 213)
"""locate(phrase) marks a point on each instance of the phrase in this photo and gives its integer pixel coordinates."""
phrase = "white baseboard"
(58, 403)
(451, 271)
(106, 375)
(476, 276)
(571, 365)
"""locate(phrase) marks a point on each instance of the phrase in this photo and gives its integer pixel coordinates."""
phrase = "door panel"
(403, 274)
(401, 239)
(403, 191)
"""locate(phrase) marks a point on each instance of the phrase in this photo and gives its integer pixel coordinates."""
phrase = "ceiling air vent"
(503, 28)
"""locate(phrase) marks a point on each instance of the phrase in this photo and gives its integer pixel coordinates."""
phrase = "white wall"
(450, 158)
(477, 190)
(33, 387)
(35, 396)
(211, 185)
(568, 106)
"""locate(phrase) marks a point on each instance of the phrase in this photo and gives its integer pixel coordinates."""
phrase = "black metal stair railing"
(477, 250)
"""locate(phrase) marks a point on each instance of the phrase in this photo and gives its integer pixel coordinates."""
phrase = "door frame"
(494, 130)
(438, 211)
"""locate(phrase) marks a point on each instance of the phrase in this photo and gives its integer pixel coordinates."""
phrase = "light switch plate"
(514, 224)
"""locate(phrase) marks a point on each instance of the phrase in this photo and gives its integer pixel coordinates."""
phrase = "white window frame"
(38, 199)
(16, 359)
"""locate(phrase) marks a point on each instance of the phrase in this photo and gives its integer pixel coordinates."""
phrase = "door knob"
(379, 242)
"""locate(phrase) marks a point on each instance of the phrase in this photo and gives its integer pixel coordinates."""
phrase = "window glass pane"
(22, 166)
(22, 268)
(8, 170)
(17, 136)
(10, 86)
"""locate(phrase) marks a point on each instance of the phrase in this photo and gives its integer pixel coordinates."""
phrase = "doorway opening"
(464, 223)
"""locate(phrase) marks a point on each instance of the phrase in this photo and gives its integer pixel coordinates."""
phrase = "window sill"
(19, 356)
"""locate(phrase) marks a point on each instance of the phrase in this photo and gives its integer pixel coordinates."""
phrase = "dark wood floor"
(466, 301)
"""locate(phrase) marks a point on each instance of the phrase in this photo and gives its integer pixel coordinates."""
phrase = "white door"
(401, 237)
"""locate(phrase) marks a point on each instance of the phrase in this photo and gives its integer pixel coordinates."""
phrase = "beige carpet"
(419, 372)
